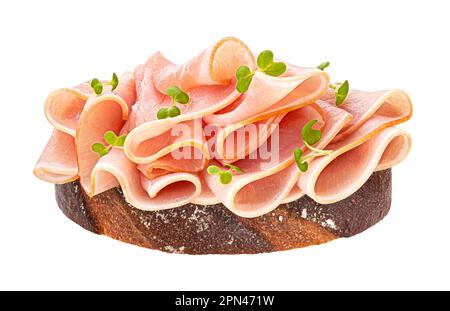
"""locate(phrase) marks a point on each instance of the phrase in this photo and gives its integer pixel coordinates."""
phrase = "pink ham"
(208, 79)
(338, 175)
(63, 108)
(58, 163)
(206, 196)
(216, 65)
(360, 148)
(163, 163)
(390, 107)
(268, 96)
(236, 141)
(260, 190)
(295, 194)
(168, 163)
(306, 85)
(168, 191)
(154, 140)
(91, 127)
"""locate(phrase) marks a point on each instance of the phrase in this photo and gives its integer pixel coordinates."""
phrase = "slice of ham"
(216, 65)
(63, 107)
(195, 162)
(268, 96)
(168, 191)
(206, 196)
(336, 176)
(295, 194)
(390, 107)
(260, 189)
(360, 149)
(58, 163)
(335, 120)
(236, 141)
(92, 125)
(155, 144)
(305, 85)
(208, 77)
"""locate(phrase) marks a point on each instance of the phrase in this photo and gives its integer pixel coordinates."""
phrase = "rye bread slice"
(197, 229)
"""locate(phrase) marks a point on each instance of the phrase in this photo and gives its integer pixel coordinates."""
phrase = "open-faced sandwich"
(227, 153)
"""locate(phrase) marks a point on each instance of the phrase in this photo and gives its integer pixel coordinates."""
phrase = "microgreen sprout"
(112, 140)
(97, 86)
(340, 91)
(265, 64)
(310, 137)
(323, 65)
(178, 96)
(225, 176)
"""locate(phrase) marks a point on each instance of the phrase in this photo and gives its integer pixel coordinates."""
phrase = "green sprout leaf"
(265, 58)
(303, 166)
(243, 72)
(162, 113)
(120, 141)
(213, 170)
(110, 137)
(177, 94)
(234, 168)
(244, 77)
(225, 177)
(242, 85)
(114, 81)
(323, 65)
(174, 111)
(182, 98)
(309, 135)
(100, 149)
(173, 91)
(97, 86)
(341, 93)
(265, 63)
(268, 66)
(276, 69)
(112, 140)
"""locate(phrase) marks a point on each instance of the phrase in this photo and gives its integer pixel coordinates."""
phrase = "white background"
(376, 45)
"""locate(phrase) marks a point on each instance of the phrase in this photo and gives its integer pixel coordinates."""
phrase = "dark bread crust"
(196, 229)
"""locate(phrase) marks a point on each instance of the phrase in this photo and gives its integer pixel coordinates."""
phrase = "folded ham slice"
(168, 191)
(268, 96)
(208, 78)
(389, 107)
(91, 127)
(206, 196)
(215, 65)
(367, 143)
(63, 108)
(236, 141)
(58, 163)
(262, 187)
(338, 175)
